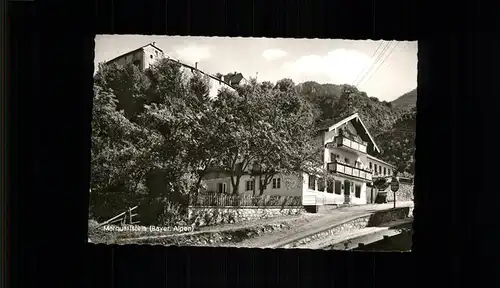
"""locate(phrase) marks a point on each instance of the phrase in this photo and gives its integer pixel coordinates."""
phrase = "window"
(250, 185)
(338, 187)
(321, 185)
(379, 169)
(137, 63)
(385, 172)
(357, 192)
(221, 187)
(329, 189)
(333, 157)
(151, 56)
(312, 182)
(276, 183)
(375, 165)
(346, 160)
(371, 166)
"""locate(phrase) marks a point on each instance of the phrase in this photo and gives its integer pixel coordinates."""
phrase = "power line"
(370, 67)
(405, 44)
(375, 63)
(381, 63)
(368, 64)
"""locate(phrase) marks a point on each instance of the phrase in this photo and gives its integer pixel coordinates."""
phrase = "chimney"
(196, 65)
(153, 43)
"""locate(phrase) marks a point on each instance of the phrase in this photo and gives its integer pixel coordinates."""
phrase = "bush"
(161, 212)
(104, 206)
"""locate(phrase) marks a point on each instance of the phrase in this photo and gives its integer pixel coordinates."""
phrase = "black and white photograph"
(253, 142)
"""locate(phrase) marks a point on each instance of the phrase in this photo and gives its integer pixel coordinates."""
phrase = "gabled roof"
(337, 124)
(233, 78)
(381, 161)
(135, 50)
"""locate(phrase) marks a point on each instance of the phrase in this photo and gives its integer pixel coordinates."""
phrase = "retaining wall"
(386, 216)
(405, 193)
(208, 216)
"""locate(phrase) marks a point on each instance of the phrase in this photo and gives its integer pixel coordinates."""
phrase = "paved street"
(352, 239)
(327, 218)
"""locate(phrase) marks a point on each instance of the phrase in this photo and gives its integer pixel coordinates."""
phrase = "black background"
(48, 112)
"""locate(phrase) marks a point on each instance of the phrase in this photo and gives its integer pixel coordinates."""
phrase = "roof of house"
(381, 161)
(135, 50)
(182, 64)
(206, 74)
(233, 77)
(331, 125)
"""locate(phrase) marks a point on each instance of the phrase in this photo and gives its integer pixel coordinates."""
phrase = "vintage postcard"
(253, 142)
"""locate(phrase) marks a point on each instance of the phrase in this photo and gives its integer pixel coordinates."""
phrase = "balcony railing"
(346, 169)
(346, 142)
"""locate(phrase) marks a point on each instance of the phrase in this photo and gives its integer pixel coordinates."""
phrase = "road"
(352, 239)
(327, 217)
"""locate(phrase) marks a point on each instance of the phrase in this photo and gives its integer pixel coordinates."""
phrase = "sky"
(334, 61)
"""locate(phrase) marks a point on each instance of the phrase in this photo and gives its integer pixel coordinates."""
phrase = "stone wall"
(387, 216)
(405, 193)
(208, 216)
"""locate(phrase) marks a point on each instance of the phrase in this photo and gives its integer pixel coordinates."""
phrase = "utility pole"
(394, 186)
(347, 92)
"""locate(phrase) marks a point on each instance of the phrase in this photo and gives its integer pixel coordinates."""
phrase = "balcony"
(342, 168)
(342, 141)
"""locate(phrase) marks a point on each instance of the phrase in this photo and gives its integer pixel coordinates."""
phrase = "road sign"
(394, 184)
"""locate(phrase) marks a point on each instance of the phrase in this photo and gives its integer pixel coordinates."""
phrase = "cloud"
(338, 66)
(273, 54)
(193, 53)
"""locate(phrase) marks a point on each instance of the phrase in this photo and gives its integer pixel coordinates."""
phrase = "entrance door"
(347, 192)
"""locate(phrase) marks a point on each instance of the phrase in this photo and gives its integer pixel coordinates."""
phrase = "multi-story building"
(142, 57)
(349, 155)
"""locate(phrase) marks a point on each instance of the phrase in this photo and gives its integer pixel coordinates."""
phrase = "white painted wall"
(150, 56)
(290, 185)
(343, 153)
(215, 86)
(143, 55)
(388, 168)
(325, 198)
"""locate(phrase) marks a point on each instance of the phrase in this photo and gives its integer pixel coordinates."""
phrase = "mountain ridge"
(406, 101)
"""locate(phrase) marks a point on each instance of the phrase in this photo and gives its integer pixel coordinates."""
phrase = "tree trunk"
(267, 181)
(236, 185)
(196, 191)
(254, 179)
(262, 186)
(235, 182)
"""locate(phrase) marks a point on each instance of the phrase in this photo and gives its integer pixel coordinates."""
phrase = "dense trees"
(158, 132)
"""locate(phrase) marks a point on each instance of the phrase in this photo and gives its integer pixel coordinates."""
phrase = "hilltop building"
(143, 57)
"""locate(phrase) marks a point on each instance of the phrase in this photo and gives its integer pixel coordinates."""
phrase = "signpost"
(394, 187)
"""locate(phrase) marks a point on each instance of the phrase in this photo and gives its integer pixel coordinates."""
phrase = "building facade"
(142, 57)
(147, 55)
(349, 155)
